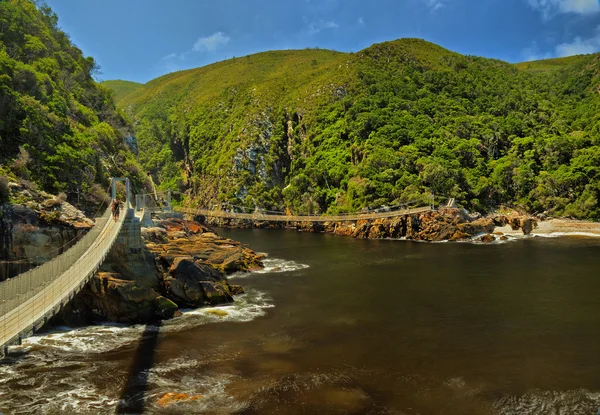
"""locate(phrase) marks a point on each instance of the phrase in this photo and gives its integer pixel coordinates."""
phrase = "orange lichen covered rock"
(172, 397)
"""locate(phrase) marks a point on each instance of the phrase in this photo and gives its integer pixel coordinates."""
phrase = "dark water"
(383, 327)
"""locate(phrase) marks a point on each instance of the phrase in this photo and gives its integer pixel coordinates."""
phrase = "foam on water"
(272, 266)
(39, 383)
(95, 339)
(246, 307)
(104, 338)
(497, 239)
(280, 265)
(46, 363)
(562, 234)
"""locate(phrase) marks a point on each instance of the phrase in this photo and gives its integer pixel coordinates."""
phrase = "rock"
(527, 225)
(180, 225)
(185, 269)
(172, 397)
(109, 298)
(218, 312)
(191, 284)
(515, 223)
(156, 235)
(479, 226)
(236, 289)
(487, 238)
(459, 236)
(216, 293)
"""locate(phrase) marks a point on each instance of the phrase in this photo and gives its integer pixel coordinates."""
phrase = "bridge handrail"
(28, 297)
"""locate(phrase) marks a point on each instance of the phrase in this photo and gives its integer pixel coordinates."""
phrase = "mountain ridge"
(322, 131)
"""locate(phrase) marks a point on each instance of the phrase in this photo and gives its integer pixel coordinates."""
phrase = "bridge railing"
(33, 295)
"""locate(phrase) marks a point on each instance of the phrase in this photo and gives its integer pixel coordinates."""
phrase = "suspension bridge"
(149, 202)
(30, 299)
(259, 216)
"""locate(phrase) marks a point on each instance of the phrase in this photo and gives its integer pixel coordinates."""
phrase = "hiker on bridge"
(115, 207)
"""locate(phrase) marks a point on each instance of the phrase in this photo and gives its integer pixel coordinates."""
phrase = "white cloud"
(211, 43)
(169, 57)
(549, 8)
(316, 27)
(580, 46)
(361, 21)
(434, 4)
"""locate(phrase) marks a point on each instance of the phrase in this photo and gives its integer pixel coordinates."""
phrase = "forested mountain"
(322, 131)
(59, 128)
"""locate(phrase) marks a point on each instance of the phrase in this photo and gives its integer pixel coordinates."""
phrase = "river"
(339, 325)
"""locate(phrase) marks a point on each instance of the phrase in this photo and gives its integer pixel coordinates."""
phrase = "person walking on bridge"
(115, 207)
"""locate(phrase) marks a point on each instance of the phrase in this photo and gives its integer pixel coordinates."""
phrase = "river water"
(339, 325)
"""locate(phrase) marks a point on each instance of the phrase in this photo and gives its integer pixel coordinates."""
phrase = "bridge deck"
(302, 218)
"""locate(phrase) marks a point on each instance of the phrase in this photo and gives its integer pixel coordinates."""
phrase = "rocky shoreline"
(184, 265)
(445, 224)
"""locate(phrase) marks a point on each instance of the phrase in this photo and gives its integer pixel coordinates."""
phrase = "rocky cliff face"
(450, 224)
(35, 230)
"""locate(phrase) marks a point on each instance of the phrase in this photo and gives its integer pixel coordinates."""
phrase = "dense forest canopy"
(59, 128)
(321, 131)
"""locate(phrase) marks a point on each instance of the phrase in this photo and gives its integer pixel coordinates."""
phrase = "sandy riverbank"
(558, 227)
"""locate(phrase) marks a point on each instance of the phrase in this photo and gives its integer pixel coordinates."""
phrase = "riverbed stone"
(487, 238)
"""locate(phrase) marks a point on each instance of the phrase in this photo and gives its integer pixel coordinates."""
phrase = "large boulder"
(186, 269)
(191, 284)
(527, 225)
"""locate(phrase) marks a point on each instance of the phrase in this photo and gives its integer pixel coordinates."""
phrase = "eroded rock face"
(25, 234)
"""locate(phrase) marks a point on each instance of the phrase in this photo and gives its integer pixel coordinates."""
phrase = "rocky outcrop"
(108, 297)
(194, 262)
(190, 238)
(184, 265)
(450, 224)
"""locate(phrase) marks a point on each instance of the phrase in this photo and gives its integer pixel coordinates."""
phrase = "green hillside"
(121, 88)
(322, 131)
(59, 129)
(555, 64)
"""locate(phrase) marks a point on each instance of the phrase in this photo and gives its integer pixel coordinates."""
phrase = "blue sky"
(139, 40)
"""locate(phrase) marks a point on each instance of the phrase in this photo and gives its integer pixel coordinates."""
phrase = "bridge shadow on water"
(132, 400)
